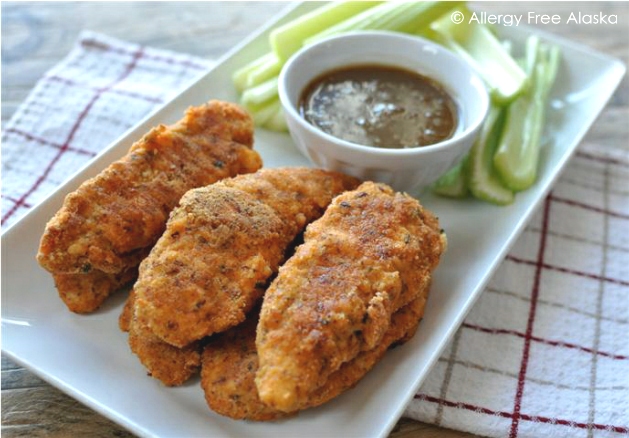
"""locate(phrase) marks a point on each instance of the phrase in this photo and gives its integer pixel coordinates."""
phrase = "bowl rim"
(401, 38)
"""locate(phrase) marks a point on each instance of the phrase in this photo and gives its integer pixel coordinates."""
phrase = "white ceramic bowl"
(404, 169)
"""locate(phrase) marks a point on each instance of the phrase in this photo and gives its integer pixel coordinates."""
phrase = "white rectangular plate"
(88, 356)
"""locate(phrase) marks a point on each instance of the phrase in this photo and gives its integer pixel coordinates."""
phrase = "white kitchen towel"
(545, 350)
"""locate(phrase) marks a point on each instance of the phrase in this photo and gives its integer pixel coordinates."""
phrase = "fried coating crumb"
(84, 293)
(370, 254)
(124, 320)
(230, 361)
(403, 326)
(221, 246)
(121, 212)
(170, 365)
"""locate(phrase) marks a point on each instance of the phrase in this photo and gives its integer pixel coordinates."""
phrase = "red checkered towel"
(544, 352)
(101, 89)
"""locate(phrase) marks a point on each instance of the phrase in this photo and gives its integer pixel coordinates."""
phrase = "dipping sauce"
(380, 106)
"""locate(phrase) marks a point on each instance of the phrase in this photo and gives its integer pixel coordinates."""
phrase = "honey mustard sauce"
(379, 106)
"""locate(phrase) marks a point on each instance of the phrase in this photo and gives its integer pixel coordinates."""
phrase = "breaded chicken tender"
(170, 365)
(109, 223)
(246, 218)
(85, 292)
(370, 254)
(230, 361)
(124, 320)
(404, 323)
(221, 246)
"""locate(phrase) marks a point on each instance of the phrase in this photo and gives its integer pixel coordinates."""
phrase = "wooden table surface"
(35, 36)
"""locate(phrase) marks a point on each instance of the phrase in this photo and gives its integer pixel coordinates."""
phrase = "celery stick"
(256, 72)
(479, 45)
(517, 156)
(365, 20)
(394, 16)
(453, 183)
(531, 55)
(288, 39)
(268, 69)
(553, 57)
(483, 181)
(241, 76)
(256, 98)
(266, 113)
(264, 105)
(277, 122)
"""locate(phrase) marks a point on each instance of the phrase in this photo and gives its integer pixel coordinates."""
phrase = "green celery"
(258, 97)
(394, 16)
(256, 72)
(267, 70)
(517, 156)
(453, 183)
(266, 113)
(241, 76)
(477, 44)
(518, 152)
(552, 55)
(277, 122)
(531, 55)
(483, 181)
(288, 39)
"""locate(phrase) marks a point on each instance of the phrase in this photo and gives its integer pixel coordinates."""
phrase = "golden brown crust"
(125, 207)
(170, 365)
(124, 320)
(403, 326)
(298, 195)
(221, 246)
(210, 266)
(369, 255)
(84, 293)
(121, 212)
(229, 364)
